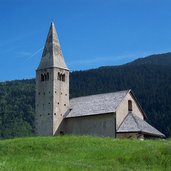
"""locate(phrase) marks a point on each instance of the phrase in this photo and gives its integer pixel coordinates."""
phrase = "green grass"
(84, 153)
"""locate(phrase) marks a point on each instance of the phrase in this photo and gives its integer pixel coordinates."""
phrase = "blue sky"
(92, 33)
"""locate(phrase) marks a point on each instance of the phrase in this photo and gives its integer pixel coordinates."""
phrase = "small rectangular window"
(129, 105)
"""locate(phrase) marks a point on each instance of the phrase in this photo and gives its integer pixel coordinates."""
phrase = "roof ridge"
(138, 104)
(128, 91)
(100, 94)
(135, 120)
(148, 125)
(123, 121)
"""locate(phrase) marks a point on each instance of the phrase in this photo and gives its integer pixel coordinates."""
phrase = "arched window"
(63, 77)
(45, 77)
(42, 77)
(129, 105)
(59, 76)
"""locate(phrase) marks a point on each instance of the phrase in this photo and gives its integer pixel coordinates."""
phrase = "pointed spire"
(52, 54)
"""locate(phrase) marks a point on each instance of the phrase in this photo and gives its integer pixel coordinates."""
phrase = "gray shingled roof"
(95, 104)
(133, 123)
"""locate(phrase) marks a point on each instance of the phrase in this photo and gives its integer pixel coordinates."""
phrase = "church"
(116, 114)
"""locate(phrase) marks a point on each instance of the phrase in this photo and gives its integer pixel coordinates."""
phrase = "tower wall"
(52, 100)
(60, 98)
(44, 105)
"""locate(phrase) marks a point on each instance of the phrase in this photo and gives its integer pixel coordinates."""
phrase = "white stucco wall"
(97, 125)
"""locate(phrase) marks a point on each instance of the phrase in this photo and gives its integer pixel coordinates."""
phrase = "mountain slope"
(158, 59)
(149, 80)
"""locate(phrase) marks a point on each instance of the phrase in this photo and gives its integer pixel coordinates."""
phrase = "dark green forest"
(149, 78)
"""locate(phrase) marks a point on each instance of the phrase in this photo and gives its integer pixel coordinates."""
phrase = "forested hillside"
(149, 78)
(17, 100)
(158, 59)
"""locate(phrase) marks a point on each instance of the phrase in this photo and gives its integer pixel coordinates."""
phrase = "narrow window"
(129, 105)
(42, 77)
(63, 77)
(47, 76)
(59, 76)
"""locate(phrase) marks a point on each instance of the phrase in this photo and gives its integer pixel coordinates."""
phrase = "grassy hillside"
(84, 153)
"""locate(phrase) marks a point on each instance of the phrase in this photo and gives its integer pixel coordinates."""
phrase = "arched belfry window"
(42, 77)
(129, 105)
(61, 77)
(45, 76)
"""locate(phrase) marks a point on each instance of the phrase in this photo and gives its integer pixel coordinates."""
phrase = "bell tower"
(52, 87)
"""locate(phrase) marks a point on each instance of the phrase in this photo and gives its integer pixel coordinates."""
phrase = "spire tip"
(52, 23)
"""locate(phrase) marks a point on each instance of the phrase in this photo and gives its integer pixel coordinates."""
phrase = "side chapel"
(116, 114)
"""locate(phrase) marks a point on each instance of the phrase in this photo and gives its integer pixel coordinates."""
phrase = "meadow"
(84, 153)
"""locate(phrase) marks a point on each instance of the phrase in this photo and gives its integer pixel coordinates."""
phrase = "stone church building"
(116, 114)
